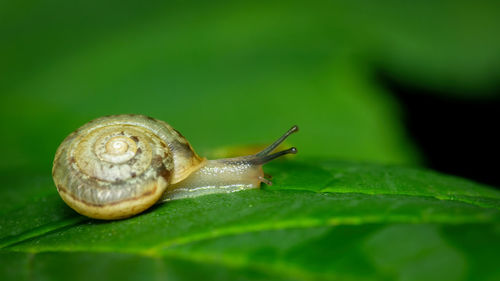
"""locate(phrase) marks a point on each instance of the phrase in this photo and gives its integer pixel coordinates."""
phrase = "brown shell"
(117, 166)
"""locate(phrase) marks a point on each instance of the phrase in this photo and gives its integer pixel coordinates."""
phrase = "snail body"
(117, 166)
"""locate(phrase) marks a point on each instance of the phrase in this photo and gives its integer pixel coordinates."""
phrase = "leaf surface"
(320, 220)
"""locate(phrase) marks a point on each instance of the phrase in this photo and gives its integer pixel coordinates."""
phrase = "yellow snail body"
(117, 166)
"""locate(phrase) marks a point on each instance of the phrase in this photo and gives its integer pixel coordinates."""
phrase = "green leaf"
(320, 220)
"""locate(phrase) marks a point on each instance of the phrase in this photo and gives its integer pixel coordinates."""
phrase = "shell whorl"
(117, 166)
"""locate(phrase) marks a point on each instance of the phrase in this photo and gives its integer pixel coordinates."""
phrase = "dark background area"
(456, 136)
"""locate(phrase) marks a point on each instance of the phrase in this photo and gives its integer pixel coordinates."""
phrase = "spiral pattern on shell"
(117, 166)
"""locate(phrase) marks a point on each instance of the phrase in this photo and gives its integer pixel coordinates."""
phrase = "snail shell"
(117, 166)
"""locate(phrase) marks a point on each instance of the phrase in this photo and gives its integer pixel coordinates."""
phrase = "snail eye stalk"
(264, 156)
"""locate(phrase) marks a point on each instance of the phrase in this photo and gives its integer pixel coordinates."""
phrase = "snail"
(117, 166)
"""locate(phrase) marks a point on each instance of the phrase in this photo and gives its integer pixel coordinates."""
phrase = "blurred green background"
(238, 73)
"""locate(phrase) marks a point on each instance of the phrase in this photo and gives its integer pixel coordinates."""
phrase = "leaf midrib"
(241, 229)
(227, 261)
